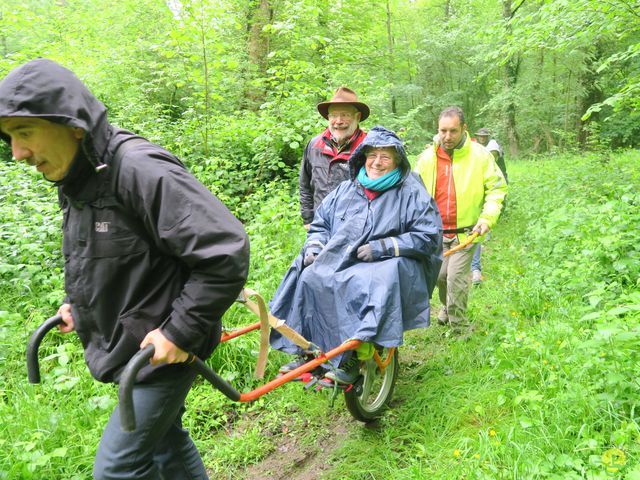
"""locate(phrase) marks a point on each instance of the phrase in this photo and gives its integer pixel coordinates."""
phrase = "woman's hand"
(365, 253)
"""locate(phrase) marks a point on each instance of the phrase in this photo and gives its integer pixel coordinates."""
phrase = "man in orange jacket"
(469, 189)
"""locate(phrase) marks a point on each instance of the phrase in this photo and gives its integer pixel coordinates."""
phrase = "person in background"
(151, 257)
(325, 159)
(469, 189)
(483, 137)
(369, 263)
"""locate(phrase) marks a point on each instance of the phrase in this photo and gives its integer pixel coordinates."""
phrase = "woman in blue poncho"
(370, 260)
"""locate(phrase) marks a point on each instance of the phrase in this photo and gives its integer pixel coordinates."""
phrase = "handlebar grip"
(139, 360)
(125, 391)
(33, 366)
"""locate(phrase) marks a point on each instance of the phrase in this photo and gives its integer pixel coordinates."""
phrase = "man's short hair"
(452, 112)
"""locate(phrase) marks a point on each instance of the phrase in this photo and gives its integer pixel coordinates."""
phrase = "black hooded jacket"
(150, 247)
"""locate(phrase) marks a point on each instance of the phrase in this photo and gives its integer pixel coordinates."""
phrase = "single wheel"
(370, 394)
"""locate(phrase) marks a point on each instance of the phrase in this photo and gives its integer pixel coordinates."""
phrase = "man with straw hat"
(325, 162)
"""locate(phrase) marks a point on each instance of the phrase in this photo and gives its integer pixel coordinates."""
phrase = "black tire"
(371, 393)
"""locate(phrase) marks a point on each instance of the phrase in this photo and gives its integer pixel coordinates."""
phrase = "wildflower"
(476, 456)
(613, 459)
(456, 453)
(492, 432)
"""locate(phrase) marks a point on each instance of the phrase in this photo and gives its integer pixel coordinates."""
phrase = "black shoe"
(291, 366)
(347, 373)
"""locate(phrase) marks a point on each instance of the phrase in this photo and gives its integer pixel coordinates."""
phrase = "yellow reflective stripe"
(396, 248)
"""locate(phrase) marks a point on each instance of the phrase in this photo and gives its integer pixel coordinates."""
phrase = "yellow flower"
(456, 453)
(492, 432)
(477, 455)
(614, 458)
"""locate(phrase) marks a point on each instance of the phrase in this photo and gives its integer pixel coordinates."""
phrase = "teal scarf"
(379, 184)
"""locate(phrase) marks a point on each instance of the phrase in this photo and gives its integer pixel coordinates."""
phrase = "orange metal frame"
(307, 367)
(228, 335)
(382, 365)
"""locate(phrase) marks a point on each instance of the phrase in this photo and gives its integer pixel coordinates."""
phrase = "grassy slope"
(545, 388)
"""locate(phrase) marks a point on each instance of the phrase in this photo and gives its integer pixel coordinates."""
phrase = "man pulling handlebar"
(151, 257)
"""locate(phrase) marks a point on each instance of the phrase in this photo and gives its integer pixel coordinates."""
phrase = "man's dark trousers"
(159, 448)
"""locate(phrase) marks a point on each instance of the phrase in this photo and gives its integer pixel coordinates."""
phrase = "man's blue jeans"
(475, 261)
(159, 448)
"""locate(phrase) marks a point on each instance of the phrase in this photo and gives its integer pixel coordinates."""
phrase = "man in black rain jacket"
(151, 256)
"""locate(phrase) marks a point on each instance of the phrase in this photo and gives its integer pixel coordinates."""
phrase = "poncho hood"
(378, 137)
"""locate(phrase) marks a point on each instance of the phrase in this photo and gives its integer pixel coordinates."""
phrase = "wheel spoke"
(367, 383)
(376, 388)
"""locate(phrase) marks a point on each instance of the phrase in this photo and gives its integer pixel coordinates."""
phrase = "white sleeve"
(493, 146)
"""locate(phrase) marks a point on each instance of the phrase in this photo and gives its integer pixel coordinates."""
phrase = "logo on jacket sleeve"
(102, 227)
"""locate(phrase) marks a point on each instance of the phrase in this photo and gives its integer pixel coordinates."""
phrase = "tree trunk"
(511, 69)
(591, 94)
(207, 90)
(259, 15)
(391, 62)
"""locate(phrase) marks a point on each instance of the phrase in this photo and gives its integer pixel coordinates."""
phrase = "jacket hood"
(44, 89)
(378, 137)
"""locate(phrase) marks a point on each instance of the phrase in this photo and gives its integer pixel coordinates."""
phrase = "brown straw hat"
(344, 96)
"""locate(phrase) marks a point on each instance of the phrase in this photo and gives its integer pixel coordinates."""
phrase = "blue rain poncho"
(339, 297)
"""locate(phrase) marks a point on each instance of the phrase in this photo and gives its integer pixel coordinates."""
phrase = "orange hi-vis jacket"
(474, 183)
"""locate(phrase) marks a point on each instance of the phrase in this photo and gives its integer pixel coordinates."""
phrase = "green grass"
(545, 388)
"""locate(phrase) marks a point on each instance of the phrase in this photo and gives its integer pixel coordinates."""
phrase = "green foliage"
(30, 264)
(545, 388)
(184, 73)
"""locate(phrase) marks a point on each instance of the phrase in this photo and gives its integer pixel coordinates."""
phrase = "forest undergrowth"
(545, 387)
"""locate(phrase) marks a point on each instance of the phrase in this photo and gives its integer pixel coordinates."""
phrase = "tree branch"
(516, 9)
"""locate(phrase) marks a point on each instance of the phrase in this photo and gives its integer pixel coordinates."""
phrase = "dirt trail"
(294, 459)
(304, 450)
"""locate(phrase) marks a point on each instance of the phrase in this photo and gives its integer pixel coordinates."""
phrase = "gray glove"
(365, 253)
(376, 250)
(309, 258)
(310, 254)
